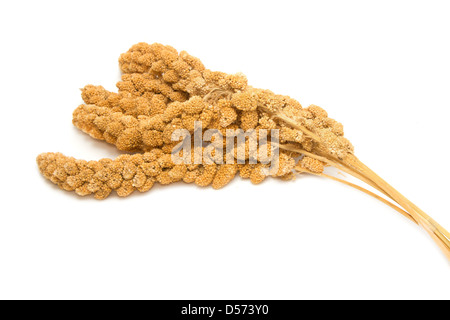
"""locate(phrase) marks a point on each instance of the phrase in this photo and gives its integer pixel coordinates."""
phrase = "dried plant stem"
(352, 165)
(347, 170)
(291, 122)
(333, 163)
(437, 232)
(370, 193)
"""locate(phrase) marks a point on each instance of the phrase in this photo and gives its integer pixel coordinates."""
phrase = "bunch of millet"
(162, 90)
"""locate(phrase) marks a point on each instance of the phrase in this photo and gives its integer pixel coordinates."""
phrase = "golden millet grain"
(161, 91)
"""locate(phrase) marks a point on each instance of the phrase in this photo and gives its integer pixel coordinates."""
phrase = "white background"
(381, 68)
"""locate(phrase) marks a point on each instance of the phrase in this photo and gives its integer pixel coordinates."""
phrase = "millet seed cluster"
(162, 90)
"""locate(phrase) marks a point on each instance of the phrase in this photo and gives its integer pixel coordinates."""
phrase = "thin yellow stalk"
(336, 164)
(437, 232)
(390, 204)
(294, 124)
(352, 165)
